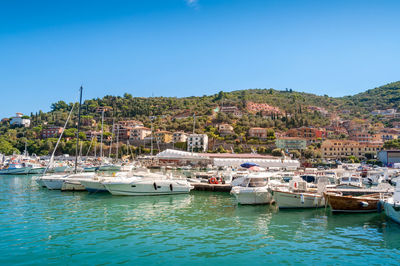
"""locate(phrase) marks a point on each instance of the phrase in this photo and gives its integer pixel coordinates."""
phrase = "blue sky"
(183, 48)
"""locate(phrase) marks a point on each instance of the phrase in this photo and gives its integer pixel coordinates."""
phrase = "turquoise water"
(38, 226)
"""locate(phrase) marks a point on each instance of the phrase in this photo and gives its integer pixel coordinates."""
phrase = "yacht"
(139, 184)
(254, 189)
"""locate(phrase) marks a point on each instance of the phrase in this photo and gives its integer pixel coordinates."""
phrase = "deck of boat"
(359, 192)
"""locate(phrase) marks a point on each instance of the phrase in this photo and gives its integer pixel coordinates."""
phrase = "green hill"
(296, 109)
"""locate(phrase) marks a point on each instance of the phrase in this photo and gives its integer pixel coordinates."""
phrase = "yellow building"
(163, 136)
(345, 148)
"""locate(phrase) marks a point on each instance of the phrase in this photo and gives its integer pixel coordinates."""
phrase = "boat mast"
(194, 126)
(77, 132)
(151, 137)
(116, 156)
(101, 137)
(59, 139)
(112, 137)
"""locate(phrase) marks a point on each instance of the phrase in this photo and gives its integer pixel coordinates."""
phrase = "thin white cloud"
(192, 3)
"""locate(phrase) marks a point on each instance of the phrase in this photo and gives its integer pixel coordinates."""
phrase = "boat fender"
(364, 204)
(155, 186)
(171, 187)
(302, 198)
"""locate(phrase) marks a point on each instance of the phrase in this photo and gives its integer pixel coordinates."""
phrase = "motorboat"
(298, 195)
(55, 182)
(364, 203)
(391, 205)
(15, 169)
(374, 177)
(350, 181)
(332, 176)
(95, 185)
(139, 184)
(254, 189)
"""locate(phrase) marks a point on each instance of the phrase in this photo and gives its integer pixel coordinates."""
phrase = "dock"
(212, 187)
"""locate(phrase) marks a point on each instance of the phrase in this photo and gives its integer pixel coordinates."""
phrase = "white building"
(19, 121)
(197, 142)
(179, 136)
(139, 133)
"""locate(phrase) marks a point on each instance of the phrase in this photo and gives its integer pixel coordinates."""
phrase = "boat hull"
(72, 186)
(290, 200)
(90, 169)
(37, 170)
(147, 188)
(15, 171)
(53, 184)
(109, 168)
(352, 204)
(94, 186)
(250, 197)
(392, 211)
(40, 182)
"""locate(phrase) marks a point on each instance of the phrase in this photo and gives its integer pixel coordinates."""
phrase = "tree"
(221, 149)
(296, 153)
(60, 105)
(6, 147)
(277, 152)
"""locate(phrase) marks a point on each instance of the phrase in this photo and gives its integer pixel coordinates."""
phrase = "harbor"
(198, 132)
(40, 226)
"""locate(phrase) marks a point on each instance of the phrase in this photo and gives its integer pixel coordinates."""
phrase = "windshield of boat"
(354, 179)
(258, 182)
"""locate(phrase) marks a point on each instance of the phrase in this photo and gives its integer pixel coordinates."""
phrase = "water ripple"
(48, 227)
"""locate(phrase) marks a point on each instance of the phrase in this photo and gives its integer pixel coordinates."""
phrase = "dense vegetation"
(161, 112)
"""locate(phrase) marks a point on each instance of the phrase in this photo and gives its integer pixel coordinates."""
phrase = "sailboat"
(107, 166)
(63, 182)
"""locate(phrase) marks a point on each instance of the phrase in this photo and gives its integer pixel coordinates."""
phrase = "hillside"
(290, 109)
(384, 97)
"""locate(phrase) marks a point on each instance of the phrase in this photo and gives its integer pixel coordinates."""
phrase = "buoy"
(170, 187)
(213, 180)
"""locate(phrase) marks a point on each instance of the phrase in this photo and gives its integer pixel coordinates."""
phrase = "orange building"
(308, 133)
